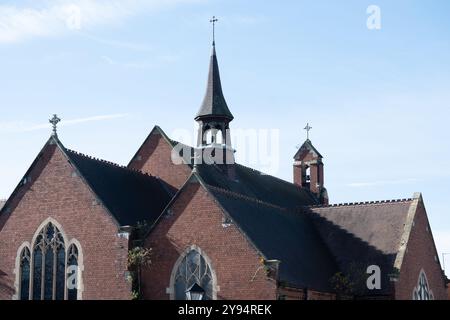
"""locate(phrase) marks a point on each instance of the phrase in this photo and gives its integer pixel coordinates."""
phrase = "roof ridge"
(353, 204)
(113, 164)
(238, 195)
(266, 174)
(291, 184)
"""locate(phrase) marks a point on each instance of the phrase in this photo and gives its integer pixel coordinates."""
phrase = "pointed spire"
(214, 104)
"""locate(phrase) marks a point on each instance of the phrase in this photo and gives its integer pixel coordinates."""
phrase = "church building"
(212, 228)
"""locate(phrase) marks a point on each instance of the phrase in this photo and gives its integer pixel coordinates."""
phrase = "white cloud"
(143, 47)
(53, 18)
(21, 126)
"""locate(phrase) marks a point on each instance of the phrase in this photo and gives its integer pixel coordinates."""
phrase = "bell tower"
(214, 117)
(308, 169)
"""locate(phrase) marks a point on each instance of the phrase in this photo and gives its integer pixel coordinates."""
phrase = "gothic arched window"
(45, 270)
(48, 264)
(72, 273)
(193, 269)
(24, 285)
(422, 291)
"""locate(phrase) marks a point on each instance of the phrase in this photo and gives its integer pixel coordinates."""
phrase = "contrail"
(18, 126)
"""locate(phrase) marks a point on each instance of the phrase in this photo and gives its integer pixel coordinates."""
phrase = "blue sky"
(378, 100)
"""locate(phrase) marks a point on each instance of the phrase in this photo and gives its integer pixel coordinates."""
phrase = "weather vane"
(308, 129)
(213, 21)
(54, 121)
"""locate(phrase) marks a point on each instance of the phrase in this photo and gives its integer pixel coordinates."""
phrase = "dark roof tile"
(131, 196)
(214, 104)
(284, 235)
(254, 184)
(363, 234)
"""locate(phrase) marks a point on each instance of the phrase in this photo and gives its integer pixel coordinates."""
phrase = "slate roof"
(284, 235)
(313, 242)
(255, 184)
(266, 210)
(359, 235)
(214, 104)
(130, 196)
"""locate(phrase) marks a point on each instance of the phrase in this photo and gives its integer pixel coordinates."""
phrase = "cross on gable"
(308, 129)
(54, 121)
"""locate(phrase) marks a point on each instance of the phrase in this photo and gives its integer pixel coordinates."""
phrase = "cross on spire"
(213, 21)
(308, 129)
(54, 121)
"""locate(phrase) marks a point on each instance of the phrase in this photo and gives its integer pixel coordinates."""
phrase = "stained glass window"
(193, 269)
(48, 264)
(422, 291)
(37, 272)
(60, 273)
(25, 274)
(47, 271)
(72, 273)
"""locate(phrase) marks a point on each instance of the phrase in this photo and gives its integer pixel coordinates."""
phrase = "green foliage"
(135, 295)
(342, 285)
(138, 258)
(352, 283)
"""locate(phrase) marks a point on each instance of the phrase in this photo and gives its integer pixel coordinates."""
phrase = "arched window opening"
(48, 264)
(72, 273)
(193, 269)
(209, 137)
(219, 137)
(307, 177)
(45, 270)
(24, 280)
(422, 291)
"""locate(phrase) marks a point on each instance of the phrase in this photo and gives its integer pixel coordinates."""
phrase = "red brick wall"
(197, 220)
(298, 294)
(316, 171)
(420, 255)
(55, 193)
(298, 175)
(291, 293)
(154, 158)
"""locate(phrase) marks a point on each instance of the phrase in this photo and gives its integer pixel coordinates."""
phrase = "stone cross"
(54, 121)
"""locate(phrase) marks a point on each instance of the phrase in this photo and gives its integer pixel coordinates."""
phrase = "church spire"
(214, 117)
(214, 104)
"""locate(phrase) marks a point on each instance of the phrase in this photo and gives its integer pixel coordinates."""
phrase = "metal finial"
(213, 21)
(308, 129)
(54, 121)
